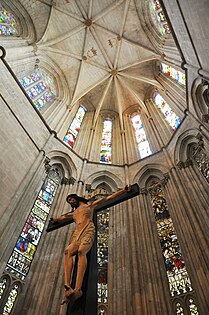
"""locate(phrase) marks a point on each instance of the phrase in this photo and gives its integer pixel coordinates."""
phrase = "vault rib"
(69, 14)
(140, 78)
(107, 10)
(121, 32)
(98, 109)
(65, 36)
(96, 37)
(137, 63)
(61, 52)
(135, 94)
(81, 9)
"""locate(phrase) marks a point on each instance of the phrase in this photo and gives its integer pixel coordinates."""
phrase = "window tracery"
(173, 73)
(141, 139)
(39, 87)
(75, 126)
(8, 25)
(172, 119)
(106, 143)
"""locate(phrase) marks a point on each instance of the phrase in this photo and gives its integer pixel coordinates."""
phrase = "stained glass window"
(39, 87)
(179, 281)
(11, 300)
(202, 161)
(75, 127)
(193, 307)
(8, 25)
(26, 246)
(158, 17)
(3, 284)
(173, 73)
(102, 256)
(106, 144)
(173, 120)
(141, 139)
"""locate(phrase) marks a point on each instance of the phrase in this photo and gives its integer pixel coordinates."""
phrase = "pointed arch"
(107, 177)
(68, 166)
(149, 172)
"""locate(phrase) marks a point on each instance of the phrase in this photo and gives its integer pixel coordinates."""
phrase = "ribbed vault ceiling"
(103, 52)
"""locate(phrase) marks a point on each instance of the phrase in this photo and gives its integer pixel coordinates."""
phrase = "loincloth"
(85, 236)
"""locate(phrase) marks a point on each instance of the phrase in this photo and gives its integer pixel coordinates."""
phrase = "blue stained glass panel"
(25, 248)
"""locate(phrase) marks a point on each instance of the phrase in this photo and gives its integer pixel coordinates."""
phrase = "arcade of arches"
(96, 95)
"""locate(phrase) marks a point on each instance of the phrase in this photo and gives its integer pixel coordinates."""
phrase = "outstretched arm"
(98, 201)
(62, 217)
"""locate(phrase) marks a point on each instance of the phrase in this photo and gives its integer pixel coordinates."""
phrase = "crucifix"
(80, 294)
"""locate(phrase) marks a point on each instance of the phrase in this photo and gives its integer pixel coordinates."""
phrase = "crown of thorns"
(76, 197)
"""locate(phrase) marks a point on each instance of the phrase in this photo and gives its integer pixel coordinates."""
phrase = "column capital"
(71, 180)
(64, 181)
(143, 191)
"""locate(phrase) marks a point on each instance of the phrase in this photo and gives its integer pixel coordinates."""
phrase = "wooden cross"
(134, 191)
(87, 304)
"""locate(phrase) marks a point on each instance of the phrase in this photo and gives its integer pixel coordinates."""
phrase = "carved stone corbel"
(47, 165)
(71, 181)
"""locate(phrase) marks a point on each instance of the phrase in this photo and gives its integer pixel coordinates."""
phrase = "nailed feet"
(70, 295)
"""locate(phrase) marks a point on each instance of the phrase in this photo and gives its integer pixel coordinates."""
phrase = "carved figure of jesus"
(81, 240)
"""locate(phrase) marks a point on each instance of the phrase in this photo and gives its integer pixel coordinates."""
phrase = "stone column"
(163, 130)
(14, 216)
(188, 214)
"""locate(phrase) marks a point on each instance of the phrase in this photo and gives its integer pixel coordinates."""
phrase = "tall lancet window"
(106, 145)
(173, 73)
(141, 139)
(102, 260)
(75, 127)
(178, 278)
(23, 253)
(8, 25)
(26, 246)
(102, 241)
(172, 119)
(158, 17)
(39, 87)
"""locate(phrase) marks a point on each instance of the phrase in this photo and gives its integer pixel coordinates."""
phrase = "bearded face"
(74, 203)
